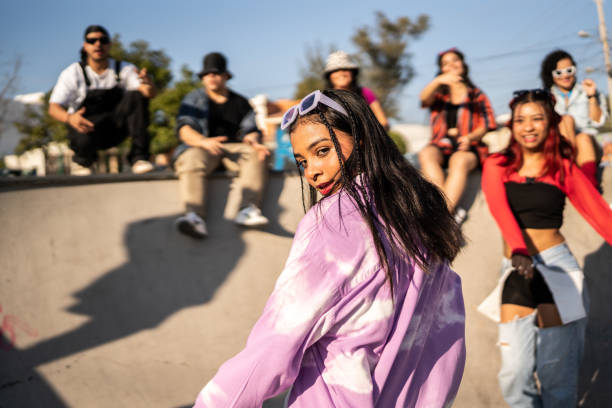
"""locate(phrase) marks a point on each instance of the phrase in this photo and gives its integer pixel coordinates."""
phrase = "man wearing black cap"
(216, 125)
(103, 101)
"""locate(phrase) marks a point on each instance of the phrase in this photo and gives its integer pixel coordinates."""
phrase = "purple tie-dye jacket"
(332, 332)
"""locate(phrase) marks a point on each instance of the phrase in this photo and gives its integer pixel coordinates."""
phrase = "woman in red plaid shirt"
(461, 115)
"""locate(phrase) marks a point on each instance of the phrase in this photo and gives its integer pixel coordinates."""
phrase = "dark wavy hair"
(94, 28)
(393, 198)
(466, 69)
(549, 64)
(555, 149)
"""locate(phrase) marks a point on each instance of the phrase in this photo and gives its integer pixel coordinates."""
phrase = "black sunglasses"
(92, 40)
(538, 93)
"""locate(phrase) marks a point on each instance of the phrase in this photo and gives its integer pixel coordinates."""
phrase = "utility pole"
(606, 49)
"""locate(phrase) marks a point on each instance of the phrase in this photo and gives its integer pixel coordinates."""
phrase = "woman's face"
(315, 153)
(451, 63)
(530, 125)
(565, 82)
(341, 79)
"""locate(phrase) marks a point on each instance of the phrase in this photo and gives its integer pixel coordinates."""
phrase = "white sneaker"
(78, 170)
(460, 215)
(142, 166)
(192, 224)
(250, 217)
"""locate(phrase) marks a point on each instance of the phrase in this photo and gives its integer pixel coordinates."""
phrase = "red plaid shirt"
(473, 113)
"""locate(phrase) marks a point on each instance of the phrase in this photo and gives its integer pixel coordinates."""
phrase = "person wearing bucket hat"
(342, 73)
(215, 62)
(102, 102)
(217, 126)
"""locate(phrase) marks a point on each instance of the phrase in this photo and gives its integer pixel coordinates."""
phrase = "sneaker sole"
(257, 223)
(186, 228)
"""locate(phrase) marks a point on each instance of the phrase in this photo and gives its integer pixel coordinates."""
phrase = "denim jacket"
(578, 107)
(194, 112)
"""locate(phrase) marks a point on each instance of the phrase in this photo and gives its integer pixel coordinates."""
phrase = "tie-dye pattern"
(333, 333)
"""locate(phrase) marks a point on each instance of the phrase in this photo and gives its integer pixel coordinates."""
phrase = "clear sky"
(265, 41)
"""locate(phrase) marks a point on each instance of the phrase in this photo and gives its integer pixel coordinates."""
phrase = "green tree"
(38, 127)
(157, 62)
(312, 72)
(387, 66)
(385, 63)
(164, 108)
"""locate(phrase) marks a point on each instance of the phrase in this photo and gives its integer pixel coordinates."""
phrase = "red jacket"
(584, 197)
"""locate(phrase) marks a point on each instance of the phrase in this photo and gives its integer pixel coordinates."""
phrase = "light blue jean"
(550, 356)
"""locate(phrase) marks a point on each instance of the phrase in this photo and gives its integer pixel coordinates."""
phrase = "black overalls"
(116, 114)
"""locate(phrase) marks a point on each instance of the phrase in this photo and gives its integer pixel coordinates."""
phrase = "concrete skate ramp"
(103, 303)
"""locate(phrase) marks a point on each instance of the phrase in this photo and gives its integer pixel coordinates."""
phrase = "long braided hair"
(391, 195)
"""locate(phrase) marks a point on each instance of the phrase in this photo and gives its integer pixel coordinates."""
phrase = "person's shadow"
(596, 371)
(164, 273)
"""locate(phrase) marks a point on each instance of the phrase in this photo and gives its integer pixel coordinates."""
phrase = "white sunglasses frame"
(319, 97)
(567, 71)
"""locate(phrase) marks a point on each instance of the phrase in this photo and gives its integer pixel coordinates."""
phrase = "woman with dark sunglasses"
(583, 108)
(367, 312)
(461, 115)
(542, 316)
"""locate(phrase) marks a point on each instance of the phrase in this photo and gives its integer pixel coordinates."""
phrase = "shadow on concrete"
(165, 272)
(596, 371)
(18, 390)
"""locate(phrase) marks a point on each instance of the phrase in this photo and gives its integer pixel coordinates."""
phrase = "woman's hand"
(523, 264)
(448, 79)
(463, 143)
(590, 87)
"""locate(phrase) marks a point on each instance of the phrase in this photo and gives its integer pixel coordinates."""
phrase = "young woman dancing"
(461, 115)
(367, 312)
(542, 315)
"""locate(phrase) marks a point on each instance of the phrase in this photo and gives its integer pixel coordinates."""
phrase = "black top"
(224, 119)
(451, 115)
(536, 205)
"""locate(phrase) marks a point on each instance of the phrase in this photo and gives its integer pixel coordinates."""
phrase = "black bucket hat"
(214, 62)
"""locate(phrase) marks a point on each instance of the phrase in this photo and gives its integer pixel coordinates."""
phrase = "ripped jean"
(551, 354)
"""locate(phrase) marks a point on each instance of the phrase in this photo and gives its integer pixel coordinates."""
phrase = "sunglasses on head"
(306, 105)
(571, 70)
(92, 40)
(538, 94)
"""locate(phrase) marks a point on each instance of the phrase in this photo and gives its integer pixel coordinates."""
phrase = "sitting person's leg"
(84, 147)
(250, 183)
(586, 157)
(192, 168)
(132, 117)
(460, 164)
(567, 127)
(583, 143)
(431, 159)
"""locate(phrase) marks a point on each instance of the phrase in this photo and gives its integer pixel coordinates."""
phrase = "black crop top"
(536, 205)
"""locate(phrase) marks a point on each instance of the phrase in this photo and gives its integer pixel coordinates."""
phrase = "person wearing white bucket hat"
(342, 73)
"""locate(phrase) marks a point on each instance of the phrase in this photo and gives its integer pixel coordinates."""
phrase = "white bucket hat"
(339, 60)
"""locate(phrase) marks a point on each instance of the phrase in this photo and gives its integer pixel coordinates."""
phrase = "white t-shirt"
(70, 89)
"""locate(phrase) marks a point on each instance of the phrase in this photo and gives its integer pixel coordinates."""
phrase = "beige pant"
(195, 164)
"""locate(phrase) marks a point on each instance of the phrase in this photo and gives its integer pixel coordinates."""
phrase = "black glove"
(523, 264)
